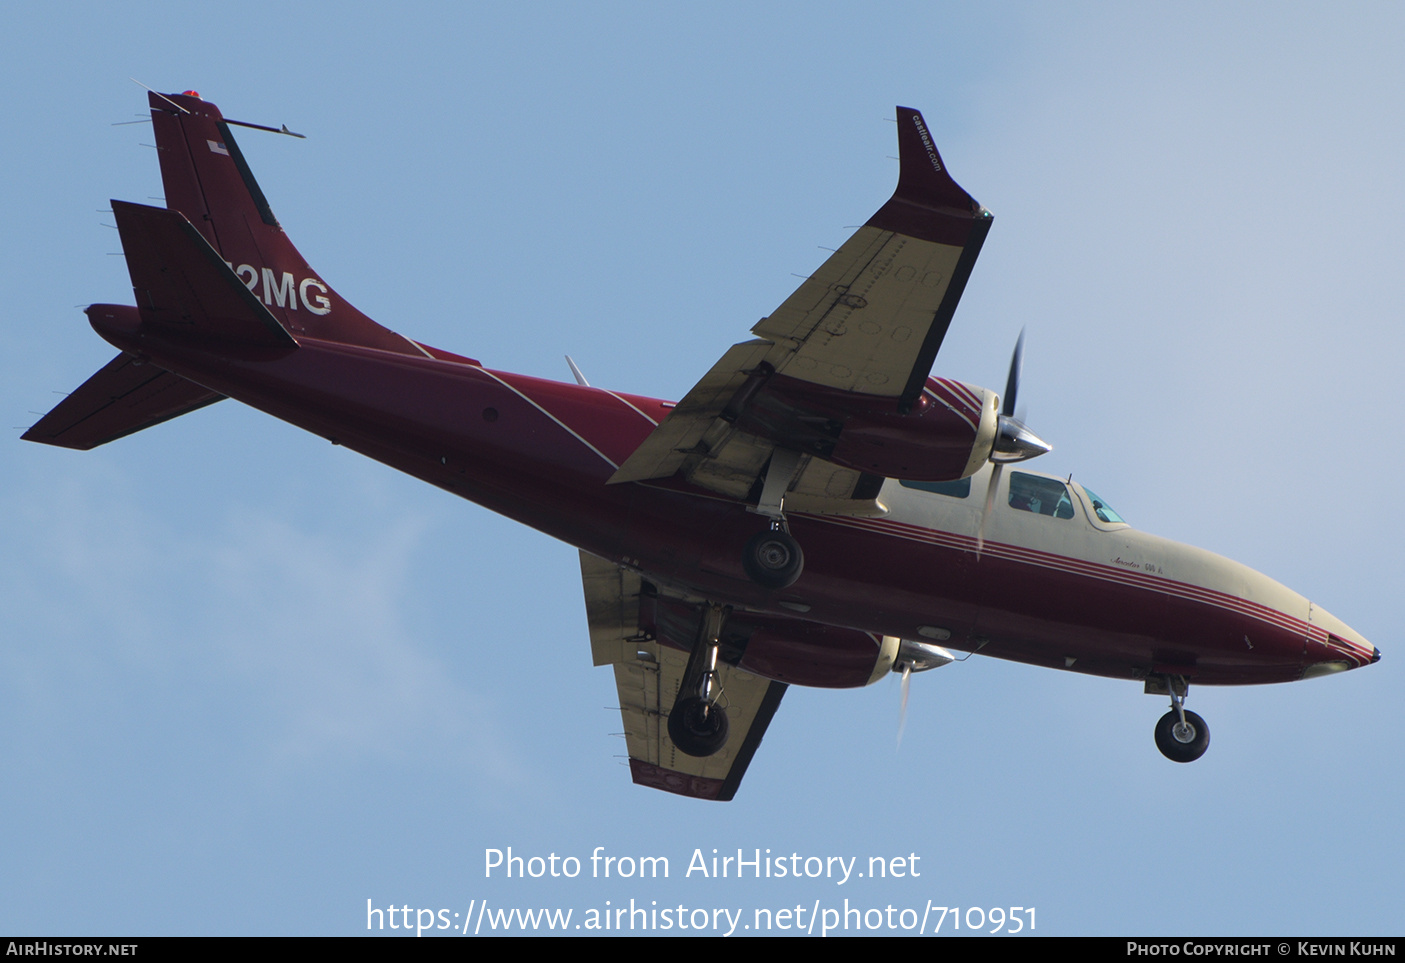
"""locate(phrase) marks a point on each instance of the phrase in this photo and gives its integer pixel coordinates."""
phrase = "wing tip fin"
(927, 204)
(923, 176)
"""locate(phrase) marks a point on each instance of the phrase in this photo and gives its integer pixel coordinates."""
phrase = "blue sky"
(249, 681)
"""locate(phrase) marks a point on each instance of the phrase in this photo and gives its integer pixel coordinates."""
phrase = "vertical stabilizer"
(207, 179)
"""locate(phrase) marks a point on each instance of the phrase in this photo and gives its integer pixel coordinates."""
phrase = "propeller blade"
(902, 711)
(1012, 382)
(989, 504)
(1013, 440)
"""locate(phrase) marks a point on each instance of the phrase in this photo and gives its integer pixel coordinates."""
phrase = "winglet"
(927, 204)
(930, 206)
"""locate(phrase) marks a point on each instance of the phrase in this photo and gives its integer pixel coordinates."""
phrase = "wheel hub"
(773, 559)
(775, 555)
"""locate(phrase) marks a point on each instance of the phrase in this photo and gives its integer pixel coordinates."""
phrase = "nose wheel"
(1181, 736)
(1182, 740)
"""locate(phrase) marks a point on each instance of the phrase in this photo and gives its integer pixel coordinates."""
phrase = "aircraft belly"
(858, 577)
(1099, 618)
(1041, 607)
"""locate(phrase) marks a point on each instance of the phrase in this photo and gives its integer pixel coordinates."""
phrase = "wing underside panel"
(858, 323)
(680, 435)
(866, 326)
(700, 441)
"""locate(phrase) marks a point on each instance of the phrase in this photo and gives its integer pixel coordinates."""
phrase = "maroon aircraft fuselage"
(541, 452)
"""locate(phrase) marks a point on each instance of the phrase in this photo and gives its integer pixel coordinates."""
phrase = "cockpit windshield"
(1101, 508)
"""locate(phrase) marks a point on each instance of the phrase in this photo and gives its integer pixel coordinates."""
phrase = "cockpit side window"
(960, 488)
(1042, 496)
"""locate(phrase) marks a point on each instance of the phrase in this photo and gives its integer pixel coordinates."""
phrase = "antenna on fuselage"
(283, 129)
(580, 378)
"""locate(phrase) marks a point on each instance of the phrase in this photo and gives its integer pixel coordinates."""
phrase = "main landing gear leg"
(698, 724)
(1180, 735)
(773, 558)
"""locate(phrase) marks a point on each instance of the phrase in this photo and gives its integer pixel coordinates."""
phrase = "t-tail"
(209, 184)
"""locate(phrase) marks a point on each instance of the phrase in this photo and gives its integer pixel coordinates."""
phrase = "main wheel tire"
(697, 727)
(773, 559)
(1182, 743)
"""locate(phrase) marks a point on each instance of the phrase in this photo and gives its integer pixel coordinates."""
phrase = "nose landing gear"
(1180, 735)
(1182, 740)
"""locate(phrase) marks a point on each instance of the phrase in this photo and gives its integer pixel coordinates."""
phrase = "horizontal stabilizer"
(123, 397)
(184, 287)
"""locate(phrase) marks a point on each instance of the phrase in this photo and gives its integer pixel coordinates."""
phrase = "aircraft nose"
(1333, 646)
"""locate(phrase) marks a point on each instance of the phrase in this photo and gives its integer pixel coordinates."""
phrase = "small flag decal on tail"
(218, 148)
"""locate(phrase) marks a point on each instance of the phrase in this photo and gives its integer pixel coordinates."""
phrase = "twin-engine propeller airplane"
(816, 511)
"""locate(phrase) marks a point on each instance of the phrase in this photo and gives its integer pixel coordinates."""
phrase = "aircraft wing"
(868, 323)
(648, 675)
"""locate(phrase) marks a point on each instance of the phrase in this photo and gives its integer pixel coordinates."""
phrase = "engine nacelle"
(949, 433)
(793, 651)
(810, 654)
